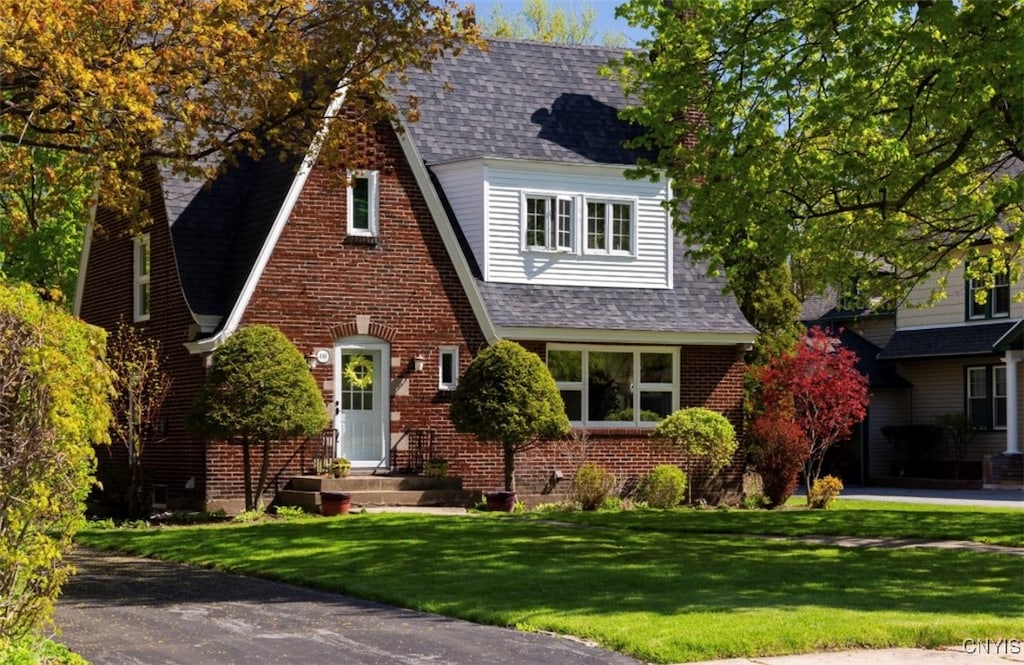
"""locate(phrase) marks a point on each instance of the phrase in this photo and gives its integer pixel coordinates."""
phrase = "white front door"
(361, 380)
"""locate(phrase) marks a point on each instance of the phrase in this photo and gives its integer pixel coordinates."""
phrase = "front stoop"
(366, 490)
(1003, 471)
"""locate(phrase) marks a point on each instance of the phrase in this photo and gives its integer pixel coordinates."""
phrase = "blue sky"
(605, 10)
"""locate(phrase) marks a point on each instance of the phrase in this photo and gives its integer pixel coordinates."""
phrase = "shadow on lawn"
(482, 569)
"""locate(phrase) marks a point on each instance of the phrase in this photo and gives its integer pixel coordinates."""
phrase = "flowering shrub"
(824, 490)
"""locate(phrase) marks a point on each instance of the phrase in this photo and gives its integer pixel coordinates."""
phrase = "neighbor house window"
(141, 271)
(610, 227)
(363, 199)
(549, 223)
(986, 396)
(449, 368)
(997, 298)
(609, 386)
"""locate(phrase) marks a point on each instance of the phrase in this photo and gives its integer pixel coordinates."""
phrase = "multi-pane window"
(550, 223)
(997, 298)
(609, 226)
(363, 197)
(449, 368)
(141, 272)
(986, 396)
(615, 385)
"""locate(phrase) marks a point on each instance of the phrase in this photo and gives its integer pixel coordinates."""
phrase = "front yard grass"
(661, 586)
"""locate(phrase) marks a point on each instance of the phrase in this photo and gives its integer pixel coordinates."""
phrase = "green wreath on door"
(359, 372)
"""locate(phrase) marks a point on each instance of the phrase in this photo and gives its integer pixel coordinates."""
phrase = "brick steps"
(1004, 471)
(304, 491)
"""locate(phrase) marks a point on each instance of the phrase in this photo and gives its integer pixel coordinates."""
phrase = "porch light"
(419, 361)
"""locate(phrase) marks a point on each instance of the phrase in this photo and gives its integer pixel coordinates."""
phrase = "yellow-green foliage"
(54, 392)
(591, 485)
(700, 432)
(664, 486)
(823, 491)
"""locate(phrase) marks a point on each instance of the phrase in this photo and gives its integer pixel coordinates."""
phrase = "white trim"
(453, 351)
(961, 324)
(451, 242)
(599, 335)
(83, 259)
(298, 183)
(1011, 359)
(372, 178)
(609, 202)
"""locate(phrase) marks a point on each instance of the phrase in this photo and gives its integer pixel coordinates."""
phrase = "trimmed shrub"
(824, 491)
(592, 485)
(664, 486)
(700, 432)
(508, 397)
(778, 448)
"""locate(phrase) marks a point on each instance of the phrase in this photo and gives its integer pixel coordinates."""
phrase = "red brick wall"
(107, 296)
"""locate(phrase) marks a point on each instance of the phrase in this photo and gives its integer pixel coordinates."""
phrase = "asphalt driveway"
(121, 610)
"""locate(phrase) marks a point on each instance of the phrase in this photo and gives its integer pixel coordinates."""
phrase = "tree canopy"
(540, 20)
(875, 138)
(113, 84)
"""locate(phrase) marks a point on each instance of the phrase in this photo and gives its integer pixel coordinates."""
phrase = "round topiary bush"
(663, 487)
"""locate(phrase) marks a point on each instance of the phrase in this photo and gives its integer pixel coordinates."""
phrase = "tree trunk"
(510, 468)
(264, 472)
(247, 473)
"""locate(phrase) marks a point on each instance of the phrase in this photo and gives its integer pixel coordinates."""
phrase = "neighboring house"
(964, 357)
(503, 213)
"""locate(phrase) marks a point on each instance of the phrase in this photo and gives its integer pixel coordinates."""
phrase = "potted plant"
(340, 467)
(437, 467)
(507, 397)
(335, 503)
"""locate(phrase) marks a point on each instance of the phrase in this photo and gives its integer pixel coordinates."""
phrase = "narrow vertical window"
(363, 199)
(622, 227)
(999, 397)
(563, 229)
(537, 222)
(977, 397)
(141, 270)
(449, 368)
(597, 226)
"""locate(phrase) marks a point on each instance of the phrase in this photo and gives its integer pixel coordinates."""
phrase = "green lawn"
(661, 586)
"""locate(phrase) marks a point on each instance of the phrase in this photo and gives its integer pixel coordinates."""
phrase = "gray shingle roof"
(695, 305)
(969, 340)
(521, 100)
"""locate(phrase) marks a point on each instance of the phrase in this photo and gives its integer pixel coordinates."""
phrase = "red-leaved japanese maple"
(818, 383)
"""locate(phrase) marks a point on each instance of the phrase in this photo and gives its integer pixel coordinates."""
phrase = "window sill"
(361, 241)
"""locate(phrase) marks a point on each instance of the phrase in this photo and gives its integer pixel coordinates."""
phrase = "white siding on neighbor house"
(463, 184)
(889, 406)
(496, 237)
(939, 387)
(953, 308)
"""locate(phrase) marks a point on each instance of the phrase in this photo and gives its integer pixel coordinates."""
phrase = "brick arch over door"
(352, 329)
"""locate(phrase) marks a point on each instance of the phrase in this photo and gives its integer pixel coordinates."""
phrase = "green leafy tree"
(508, 397)
(259, 390)
(54, 390)
(877, 139)
(764, 294)
(544, 21)
(701, 433)
(140, 389)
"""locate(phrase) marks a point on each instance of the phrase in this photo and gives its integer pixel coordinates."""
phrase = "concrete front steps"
(371, 491)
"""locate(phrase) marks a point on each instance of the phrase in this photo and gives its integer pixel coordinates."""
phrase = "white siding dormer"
(561, 224)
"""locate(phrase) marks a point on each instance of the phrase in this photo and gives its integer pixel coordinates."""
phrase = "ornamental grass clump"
(663, 487)
(592, 485)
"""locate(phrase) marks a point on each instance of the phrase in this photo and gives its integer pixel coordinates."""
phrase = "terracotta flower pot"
(500, 502)
(335, 503)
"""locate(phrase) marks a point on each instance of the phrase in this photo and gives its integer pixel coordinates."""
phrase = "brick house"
(503, 213)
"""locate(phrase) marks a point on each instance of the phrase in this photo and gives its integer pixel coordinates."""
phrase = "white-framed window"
(549, 222)
(141, 277)
(363, 203)
(615, 386)
(997, 300)
(448, 368)
(610, 227)
(986, 396)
